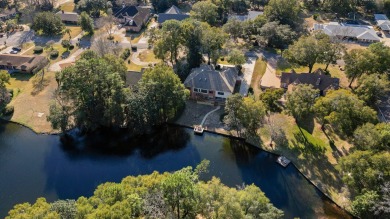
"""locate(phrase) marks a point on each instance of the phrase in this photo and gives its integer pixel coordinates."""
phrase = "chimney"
(123, 5)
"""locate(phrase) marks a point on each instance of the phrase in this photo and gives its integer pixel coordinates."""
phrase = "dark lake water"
(33, 166)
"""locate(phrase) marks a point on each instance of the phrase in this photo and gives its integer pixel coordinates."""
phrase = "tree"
(272, 34)
(48, 22)
(108, 24)
(234, 28)
(167, 195)
(364, 170)
(102, 46)
(192, 31)
(372, 88)
(163, 91)
(205, 11)
(5, 97)
(94, 98)
(270, 97)
(382, 206)
(180, 193)
(232, 109)
(86, 23)
(284, 11)
(68, 31)
(171, 39)
(213, 39)
(344, 111)
(372, 137)
(304, 52)
(251, 115)
(363, 205)
(236, 57)
(65, 208)
(92, 7)
(330, 50)
(301, 100)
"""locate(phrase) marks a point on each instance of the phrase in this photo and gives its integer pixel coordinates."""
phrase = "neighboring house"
(317, 79)
(8, 14)
(173, 13)
(383, 22)
(250, 16)
(210, 85)
(68, 17)
(132, 78)
(132, 18)
(360, 33)
(21, 63)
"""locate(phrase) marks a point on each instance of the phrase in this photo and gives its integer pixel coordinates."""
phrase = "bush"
(71, 46)
(38, 49)
(222, 117)
(250, 90)
(8, 110)
(54, 54)
(315, 16)
(134, 48)
(125, 54)
(11, 92)
(65, 43)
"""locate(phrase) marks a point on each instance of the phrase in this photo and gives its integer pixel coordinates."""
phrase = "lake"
(33, 166)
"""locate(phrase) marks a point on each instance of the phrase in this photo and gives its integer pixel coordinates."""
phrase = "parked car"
(14, 52)
(17, 49)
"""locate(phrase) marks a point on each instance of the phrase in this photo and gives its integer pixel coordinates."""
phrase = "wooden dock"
(283, 161)
(198, 129)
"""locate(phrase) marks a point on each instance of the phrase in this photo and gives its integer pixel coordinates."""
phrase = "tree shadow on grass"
(21, 76)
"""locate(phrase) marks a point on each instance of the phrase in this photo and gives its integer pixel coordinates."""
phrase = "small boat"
(198, 129)
(283, 161)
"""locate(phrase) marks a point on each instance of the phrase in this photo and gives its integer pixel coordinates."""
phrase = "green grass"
(258, 72)
(133, 67)
(148, 56)
(68, 7)
(75, 31)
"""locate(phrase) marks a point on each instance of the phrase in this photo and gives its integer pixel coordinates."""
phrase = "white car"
(14, 52)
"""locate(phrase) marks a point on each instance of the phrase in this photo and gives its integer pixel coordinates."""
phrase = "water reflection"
(37, 165)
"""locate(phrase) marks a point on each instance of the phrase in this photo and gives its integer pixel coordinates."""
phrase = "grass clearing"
(75, 31)
(68, 6)
(133, 67)
(134, 37)
(314, 152)
(258, 72)
(148, 56)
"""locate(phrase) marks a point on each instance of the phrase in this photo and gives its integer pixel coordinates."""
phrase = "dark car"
(17, 49)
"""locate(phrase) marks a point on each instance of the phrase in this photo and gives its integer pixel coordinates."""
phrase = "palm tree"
(68, 31)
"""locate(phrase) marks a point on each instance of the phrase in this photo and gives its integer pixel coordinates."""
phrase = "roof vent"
(318, 81)
(205, 79)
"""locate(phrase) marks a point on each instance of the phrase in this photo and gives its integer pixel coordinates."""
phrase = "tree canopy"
(168, 195)
(47, 22)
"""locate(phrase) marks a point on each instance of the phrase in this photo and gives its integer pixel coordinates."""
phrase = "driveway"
(246, 78)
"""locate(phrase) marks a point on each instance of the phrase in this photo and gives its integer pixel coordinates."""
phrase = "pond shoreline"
(328, 198)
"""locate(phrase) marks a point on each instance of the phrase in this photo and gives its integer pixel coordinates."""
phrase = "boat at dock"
(198, 129)
(283, 161)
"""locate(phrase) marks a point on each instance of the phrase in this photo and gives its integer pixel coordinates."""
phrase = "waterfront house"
(21, 63)
(173, 13)
(209, 85)
(318, 79)
(132, 18)
(68, 17)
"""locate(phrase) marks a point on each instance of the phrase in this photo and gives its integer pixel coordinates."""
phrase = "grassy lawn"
(148, 56)
(258, 72)
(117, 37)
(133, 67)
(312, 152)
(75, 30)
(333, 70)
(46, 52)
(32, 99)
(68, 7)
(134, 37)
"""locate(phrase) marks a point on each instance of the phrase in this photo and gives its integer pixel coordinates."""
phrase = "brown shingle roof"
(22, 62)
(318, 79)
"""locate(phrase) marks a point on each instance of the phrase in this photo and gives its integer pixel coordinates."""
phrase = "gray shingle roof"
(68, 16)
(173, 10)
(354, 31)
(164, 17)
(205, 77)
